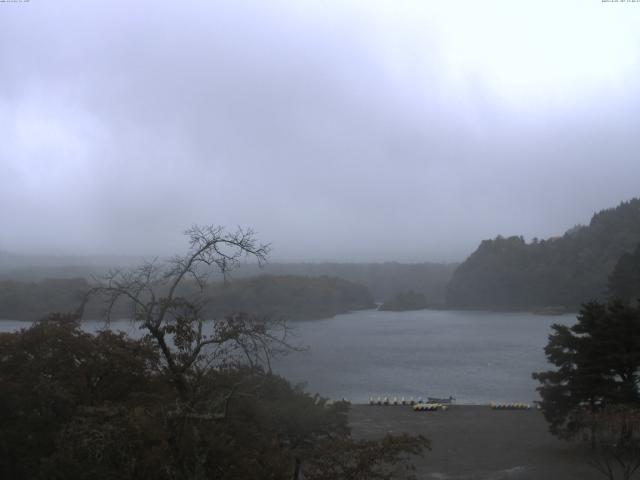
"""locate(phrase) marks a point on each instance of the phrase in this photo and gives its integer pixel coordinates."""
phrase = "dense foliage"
(57, 381)
(405, 301)
(597, 365)
(382, 279)
(104, 406)
(291, 296)
(31, 300)
(508, 273)
(624, 282)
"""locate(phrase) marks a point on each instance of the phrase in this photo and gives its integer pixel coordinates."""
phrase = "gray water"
(475, 356)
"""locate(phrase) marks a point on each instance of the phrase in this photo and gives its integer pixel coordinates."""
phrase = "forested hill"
(384, 280)
(508, 273)
(34, 300)
(294, 297)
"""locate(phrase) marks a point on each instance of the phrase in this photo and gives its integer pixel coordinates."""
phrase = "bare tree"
(167, 301)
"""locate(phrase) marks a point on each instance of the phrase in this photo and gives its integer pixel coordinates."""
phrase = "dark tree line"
(624, 282)
(33, 300)
(294, 297)
(384, 280)
(405, 302)
(509, 273)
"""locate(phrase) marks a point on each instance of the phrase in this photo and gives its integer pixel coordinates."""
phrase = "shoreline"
(313, 318)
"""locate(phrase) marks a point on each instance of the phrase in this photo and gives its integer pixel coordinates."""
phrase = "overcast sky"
(338, 130)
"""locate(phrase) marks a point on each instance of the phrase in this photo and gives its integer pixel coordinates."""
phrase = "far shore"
(436, 309)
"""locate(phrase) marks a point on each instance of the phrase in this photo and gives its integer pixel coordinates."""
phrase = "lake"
(475, 356)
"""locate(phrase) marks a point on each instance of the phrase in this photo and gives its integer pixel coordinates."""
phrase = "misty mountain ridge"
(293, 297)
(383, 280)
(503, 273)
(566, 271)
(10, 261)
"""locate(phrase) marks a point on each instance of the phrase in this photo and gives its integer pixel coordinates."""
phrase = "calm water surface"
(475, 356)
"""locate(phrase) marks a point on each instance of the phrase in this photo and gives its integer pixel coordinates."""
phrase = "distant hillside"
(31, 301)
(295, 297)
(508, 273)
(384, 280)
(35, 268)
(407, 301)
(624, 281)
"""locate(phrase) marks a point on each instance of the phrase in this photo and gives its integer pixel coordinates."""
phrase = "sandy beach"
(476, 442)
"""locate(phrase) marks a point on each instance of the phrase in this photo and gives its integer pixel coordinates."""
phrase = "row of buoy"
(419, 405)
(394, 401)
(509, 406)
(429, 407)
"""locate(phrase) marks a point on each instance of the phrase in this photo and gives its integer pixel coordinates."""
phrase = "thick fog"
(341, 130)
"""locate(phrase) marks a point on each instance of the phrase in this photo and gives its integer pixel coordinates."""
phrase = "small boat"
(451, 399)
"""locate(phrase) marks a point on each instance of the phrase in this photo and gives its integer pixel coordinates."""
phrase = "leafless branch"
(187, 340)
